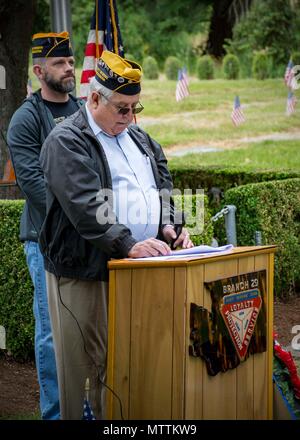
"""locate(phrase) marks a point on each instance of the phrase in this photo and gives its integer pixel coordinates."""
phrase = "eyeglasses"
(125, 110)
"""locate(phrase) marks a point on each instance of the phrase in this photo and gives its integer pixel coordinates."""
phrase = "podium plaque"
(164, 362)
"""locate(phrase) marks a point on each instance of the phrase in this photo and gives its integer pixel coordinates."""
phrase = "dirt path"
(181, 150)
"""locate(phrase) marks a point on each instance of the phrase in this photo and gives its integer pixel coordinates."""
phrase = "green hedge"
(150, 68)
(172, 65)
(205, 67)
(231, 66)
(16, 290)
(261, 65)
(196, 201)
(193, 176)
(274, 209)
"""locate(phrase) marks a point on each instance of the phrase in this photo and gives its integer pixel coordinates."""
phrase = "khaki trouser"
(79, 357)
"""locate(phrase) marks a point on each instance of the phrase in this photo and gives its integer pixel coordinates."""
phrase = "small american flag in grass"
(291, 104)
(182, 89)
(237, 115)
(289, 73)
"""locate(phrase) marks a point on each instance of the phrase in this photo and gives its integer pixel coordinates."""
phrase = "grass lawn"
(280, 155)
(205, 116)
(204, 119)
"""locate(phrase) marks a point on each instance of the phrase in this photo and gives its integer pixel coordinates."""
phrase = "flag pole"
(96, 32)
(115, 31)
(87, 388)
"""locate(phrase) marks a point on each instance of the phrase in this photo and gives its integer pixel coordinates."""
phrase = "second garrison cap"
(51, 45)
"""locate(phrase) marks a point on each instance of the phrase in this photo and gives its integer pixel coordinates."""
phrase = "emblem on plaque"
(240, 312)
(234, 326)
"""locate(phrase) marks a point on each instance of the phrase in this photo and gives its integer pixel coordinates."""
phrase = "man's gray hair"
(40, 61)
(96, 87)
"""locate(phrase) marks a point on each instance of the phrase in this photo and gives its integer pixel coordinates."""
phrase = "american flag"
(104, 35)
(182, 89)
(87, 410)
(237, 114)
(291, 104)
(289, 74)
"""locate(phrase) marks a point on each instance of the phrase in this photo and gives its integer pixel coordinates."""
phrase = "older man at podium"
(108, 196)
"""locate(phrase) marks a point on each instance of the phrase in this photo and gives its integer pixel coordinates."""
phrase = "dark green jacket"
(73, 242)
(28, 128)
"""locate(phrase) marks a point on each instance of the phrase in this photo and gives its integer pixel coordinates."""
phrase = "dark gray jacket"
(75, 167)
(28, 128)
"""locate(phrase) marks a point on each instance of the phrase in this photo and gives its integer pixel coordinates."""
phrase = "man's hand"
(182, 240)
(149, 248)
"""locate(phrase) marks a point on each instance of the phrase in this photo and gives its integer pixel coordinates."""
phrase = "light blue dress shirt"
(135, 194)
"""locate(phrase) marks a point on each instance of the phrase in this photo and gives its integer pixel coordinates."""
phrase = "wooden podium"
(149, 366)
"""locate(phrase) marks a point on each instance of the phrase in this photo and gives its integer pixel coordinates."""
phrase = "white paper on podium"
(202, 249)
(191, 252)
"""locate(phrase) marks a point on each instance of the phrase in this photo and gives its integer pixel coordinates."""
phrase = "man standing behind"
(53, 64)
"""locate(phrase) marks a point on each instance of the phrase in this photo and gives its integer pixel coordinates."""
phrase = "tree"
(161, 28)
(82, 11)
(16, 23)
(224, 16)
(269, 26)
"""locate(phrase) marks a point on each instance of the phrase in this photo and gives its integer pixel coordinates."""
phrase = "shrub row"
(274, 209)
(16, 290)
(187, 174)
(231, 67)
(216, 181)
(205, 66)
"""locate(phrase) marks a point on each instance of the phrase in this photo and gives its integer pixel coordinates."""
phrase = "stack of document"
(191, 252)
(202, 249)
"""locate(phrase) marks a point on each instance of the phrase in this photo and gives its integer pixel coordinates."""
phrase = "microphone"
(178, 229)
